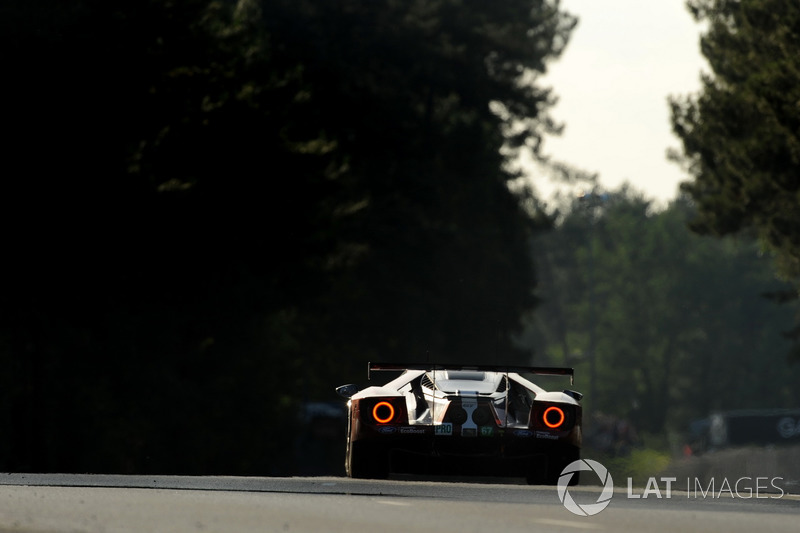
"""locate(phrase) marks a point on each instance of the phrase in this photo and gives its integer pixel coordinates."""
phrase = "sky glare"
(625, 58)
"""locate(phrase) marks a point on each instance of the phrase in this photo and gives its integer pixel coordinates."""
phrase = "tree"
(740, 133)
(679, 323)
(222, 209)
(419, 98)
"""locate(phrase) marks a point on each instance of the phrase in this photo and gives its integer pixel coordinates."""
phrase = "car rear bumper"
(514, 455)
(487, 442)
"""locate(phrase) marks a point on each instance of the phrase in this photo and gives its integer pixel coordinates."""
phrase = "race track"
(69, 503)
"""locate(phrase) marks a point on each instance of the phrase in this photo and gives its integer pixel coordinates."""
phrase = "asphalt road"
(70, 503)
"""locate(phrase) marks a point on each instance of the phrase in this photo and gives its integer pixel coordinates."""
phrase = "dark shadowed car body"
(462, 420)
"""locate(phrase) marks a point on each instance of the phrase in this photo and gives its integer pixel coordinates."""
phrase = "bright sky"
(623, 61)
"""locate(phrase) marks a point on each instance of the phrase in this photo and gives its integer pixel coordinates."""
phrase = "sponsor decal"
(411, 431)
(522, 433)
(487, 431)
(386, 430)
(546, 435)
(444, 429)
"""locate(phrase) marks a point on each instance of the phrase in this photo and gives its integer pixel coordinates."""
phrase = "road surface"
(95, 503)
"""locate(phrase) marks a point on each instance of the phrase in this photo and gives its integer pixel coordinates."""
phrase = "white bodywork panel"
(428, 403)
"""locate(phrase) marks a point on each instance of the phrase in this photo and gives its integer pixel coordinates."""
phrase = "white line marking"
(393, 502)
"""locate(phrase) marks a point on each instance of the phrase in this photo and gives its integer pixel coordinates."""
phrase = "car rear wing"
(542, 370)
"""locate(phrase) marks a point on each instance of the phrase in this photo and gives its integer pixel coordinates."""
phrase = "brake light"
(383, 412)
(553, 417)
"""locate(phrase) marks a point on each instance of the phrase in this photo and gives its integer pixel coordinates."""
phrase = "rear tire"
(549, 471)
(558, 463)
(365, 461)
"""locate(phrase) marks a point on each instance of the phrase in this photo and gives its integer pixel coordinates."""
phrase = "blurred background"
(215, 212)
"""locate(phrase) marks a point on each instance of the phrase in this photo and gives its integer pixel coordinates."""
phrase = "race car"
(462, 420)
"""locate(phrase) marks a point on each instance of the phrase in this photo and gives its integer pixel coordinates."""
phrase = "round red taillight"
(553, 417)
(383, 412)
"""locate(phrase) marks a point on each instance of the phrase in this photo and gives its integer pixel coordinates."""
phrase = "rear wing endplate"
(542, 370)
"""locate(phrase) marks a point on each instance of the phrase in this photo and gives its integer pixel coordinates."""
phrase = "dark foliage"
(740, 134)
(214, 212)
(676, 323)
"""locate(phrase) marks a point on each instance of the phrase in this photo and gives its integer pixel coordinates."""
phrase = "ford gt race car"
(462, 420)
